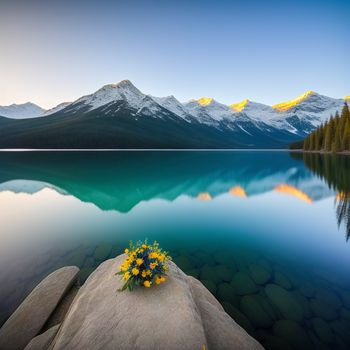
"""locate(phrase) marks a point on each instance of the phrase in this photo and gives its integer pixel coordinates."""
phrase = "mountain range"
(121, 116)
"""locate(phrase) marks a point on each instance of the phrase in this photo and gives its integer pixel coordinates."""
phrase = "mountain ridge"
(121, 116)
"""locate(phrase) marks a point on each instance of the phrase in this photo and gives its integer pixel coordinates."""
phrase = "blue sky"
(267, 51)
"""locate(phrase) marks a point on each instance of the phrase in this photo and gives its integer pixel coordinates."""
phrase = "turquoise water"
(266, 232)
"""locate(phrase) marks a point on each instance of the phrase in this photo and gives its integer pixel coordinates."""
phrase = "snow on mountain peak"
(123, 90)
(205, 101)
(21, 111)
(239, 106)
(287, 105)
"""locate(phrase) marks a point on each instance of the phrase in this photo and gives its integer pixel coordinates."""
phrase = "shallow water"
(260, 229)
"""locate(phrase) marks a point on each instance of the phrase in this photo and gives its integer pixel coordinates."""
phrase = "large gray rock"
(30, 317)
(43, 341)
(179, 314)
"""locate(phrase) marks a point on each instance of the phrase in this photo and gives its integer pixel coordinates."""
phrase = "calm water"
(266, 232)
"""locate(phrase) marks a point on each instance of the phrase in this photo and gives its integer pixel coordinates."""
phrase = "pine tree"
(346, 136)
(312, 142)
(328, 137)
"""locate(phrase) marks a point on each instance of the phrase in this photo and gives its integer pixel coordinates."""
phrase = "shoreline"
(344, 153)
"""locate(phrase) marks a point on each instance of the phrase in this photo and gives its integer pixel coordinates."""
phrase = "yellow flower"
(126, 251)
(135, 271)
(153, 265)
(139, 262)
(158, 280)
(144, 246)
(148, 273)
(126, 275)
(147, 284)
(143, 273)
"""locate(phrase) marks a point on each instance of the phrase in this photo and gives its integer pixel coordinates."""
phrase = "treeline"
(332, 136)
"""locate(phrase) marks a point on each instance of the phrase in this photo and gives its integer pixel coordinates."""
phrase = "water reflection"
(334, 169)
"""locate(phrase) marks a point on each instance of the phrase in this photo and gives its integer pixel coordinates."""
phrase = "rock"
(225, 258)
(285, 302)
(293, 334)
(43, 341)
(184, 263)
(345, 313)
(282, 280)
(243, 284)
(323, 310)
(102, 252)
(322, 330)
(35, 310)
(256, 314)
(303, 301)
(318, 345)
(210, 285)
(276, 343)
(307, 289)
(209, 273)
(339, 344)
(194, 273)
(264, 302)
(329, 297)
(223, 272)
(84, 274)
(77, 259)
(179, 314)
(259, 274)
(341, 328)
(88, 263)
(345, 296)
(240, 318)
(225, 292)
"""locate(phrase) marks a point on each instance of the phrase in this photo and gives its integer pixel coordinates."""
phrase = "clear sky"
(267, 51)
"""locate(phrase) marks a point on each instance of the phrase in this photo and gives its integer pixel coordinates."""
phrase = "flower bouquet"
(144, 265)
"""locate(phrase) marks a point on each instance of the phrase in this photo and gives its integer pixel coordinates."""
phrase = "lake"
(265, 231)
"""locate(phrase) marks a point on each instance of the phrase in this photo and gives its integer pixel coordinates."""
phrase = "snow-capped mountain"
(56, 109)
(125, 114)
(21, 111)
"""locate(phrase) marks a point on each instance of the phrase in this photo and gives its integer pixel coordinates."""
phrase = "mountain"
(121, 116)
(19, 111)
(56, 109)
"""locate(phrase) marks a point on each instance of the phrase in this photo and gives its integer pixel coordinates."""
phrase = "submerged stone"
(282, 280)
(193, 272)
(210, 285)
(225, 292)
(307, 289)
(345, 313)
(102, 252)
(323, 310)
(225, 258)
(184, 263)
(285, 302)
(272, 342)
(243, 284)
(303, 301)
(329, 297)
(259, 274)
(342, 328)
(209, 273)
(293, 333)
(239, 317)
(322, 330)
(224, 273)
(252, 308)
